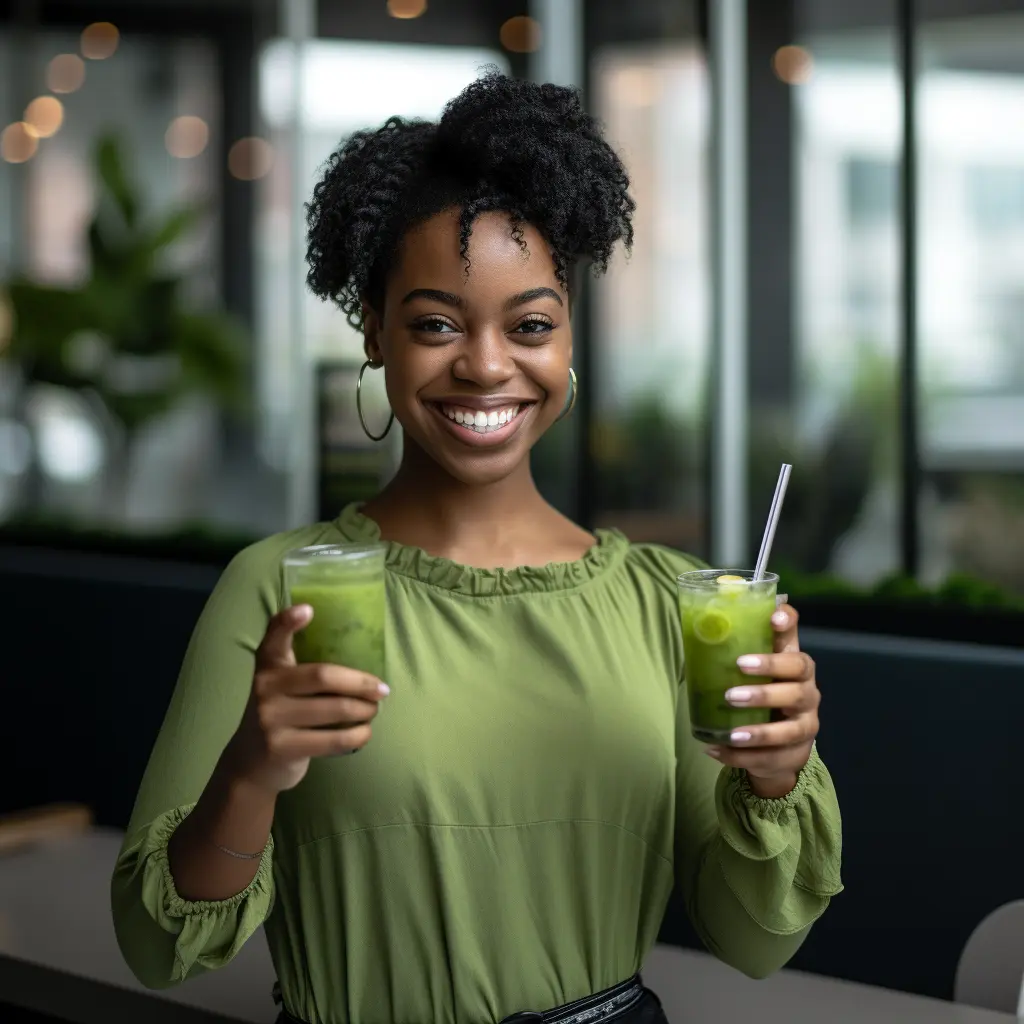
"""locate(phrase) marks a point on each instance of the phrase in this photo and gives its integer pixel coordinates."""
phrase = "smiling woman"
(505, 845)
(476, 348)
(452, 248)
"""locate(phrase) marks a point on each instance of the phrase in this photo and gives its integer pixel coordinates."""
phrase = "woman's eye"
(534, 327)
(434, 326)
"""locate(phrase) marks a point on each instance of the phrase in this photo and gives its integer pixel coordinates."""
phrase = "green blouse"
(510, 836)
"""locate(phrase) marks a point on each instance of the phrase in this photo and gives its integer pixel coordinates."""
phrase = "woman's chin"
(482, 472)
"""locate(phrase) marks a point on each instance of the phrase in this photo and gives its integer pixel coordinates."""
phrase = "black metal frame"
(910, 459)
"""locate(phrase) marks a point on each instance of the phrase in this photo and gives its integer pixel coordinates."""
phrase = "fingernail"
(303, 612)
(779, 619)
(749, 660)
(384, 689)
(738, 695)
(713, 752)
(739, 736)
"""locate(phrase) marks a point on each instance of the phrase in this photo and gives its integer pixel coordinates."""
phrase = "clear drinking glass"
(344, 585)
(725, 613)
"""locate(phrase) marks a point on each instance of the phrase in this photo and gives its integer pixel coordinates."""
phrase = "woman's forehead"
(495, 245)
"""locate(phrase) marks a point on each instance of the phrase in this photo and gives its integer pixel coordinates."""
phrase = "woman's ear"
(371, 336)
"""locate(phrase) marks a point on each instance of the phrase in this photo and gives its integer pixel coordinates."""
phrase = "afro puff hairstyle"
(503, 144)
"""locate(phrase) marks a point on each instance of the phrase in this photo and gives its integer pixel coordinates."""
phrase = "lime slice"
(711, 626)
(732, 587)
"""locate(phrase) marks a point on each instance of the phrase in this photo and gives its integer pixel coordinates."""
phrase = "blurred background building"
(164, 373)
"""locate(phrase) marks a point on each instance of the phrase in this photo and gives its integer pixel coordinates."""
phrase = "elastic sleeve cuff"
(209, 933)
(772, 809)
(781, 857)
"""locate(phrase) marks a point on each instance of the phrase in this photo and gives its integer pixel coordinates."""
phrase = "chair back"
(990, 973)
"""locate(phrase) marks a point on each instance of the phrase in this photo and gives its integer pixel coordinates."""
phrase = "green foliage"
(126, 333)
(644, 456)
(959, 590)
(835, 472)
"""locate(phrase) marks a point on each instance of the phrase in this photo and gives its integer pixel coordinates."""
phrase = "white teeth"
(481, 422)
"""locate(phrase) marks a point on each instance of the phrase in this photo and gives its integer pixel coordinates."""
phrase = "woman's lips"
(481, 439)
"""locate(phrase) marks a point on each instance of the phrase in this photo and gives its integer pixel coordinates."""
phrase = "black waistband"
(602, 1006)
(595, 1009)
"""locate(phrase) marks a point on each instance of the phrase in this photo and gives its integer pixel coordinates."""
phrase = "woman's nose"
(485, 360)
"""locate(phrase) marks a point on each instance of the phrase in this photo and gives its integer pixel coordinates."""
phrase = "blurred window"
(651, 324)
(871, 191)
(995, 196)
(834, 412)
(971, 294)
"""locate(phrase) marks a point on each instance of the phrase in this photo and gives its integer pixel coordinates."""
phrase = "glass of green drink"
(344, 585)
(725, 613)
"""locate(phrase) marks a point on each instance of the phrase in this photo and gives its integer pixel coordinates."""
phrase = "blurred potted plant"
(126, 336)
(834, 475)
(645, 456)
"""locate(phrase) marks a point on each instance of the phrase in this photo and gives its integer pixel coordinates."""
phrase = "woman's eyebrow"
(451, 299)
(533, 293)
(445, 298)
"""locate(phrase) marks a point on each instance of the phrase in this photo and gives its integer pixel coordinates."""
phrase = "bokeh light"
(406, 8)
(44, 116)
(186, 136)
(18, 143)
(99, 40)
(637, 86)
(521, 34)
(65, 73)
(250, 158)
(793, 65)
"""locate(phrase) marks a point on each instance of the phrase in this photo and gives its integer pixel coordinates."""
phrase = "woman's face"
(477, 365)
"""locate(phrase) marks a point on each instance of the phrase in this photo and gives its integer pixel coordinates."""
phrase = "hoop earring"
(572, 401)
(359, 406)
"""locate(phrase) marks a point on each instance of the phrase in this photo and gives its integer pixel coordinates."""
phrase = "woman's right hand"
(296, 712)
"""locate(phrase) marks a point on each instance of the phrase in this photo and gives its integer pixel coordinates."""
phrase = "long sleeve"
(163, 938)
(755, 874)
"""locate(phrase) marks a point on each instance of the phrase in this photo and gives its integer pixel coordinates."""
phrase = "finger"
(784, 624)
(788, 732)
(774, 695)
(798, 666)
(329, 742)
(336, 680)
(765, 762)
(316, 712)
(275, 650)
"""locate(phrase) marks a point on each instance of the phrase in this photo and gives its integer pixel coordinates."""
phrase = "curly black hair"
(503, 144)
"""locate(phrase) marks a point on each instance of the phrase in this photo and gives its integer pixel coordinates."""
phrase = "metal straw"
(773, 521)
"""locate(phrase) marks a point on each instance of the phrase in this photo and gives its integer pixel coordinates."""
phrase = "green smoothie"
(724, 614)
(344, 585)
(347, 627)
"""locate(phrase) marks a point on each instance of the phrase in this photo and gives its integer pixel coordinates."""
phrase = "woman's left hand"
(773, 754)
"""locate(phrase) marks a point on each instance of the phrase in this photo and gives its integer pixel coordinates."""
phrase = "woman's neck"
(504, 523)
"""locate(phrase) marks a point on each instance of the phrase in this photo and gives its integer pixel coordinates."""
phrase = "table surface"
(58, 955)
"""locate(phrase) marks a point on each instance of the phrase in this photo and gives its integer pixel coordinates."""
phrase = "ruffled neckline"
(437, 571)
